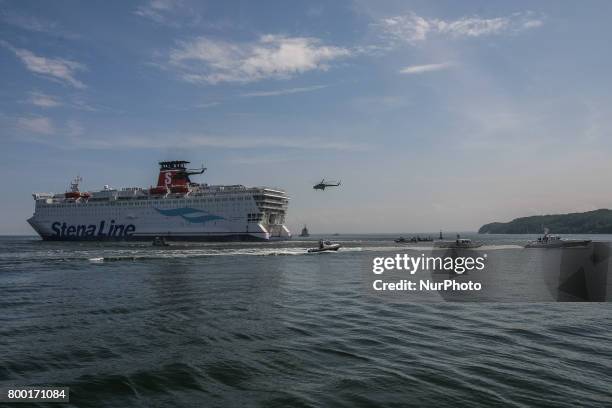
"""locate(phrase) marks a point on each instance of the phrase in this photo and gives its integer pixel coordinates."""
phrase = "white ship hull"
(111, 229)
(213, 214)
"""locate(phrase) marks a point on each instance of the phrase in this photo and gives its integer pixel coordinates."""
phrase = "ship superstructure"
(175, 209)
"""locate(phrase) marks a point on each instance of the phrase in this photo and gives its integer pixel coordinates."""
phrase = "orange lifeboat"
(72, 194)
(75, 195)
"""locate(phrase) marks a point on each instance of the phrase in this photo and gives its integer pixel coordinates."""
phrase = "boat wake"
(144, 255)
(130, 252)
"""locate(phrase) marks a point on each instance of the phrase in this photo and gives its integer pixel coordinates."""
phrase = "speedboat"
(325, 246)
(555, 241)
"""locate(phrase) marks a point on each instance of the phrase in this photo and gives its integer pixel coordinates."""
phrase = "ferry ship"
(175, 209)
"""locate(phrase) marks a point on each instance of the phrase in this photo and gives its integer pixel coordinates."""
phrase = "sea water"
(266, 324)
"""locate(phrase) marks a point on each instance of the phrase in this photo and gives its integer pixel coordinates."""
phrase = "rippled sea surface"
(127, 324)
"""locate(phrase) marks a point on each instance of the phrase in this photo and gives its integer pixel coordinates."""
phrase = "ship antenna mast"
(74, 185)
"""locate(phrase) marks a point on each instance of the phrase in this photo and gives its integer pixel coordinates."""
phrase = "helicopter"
(323, 184)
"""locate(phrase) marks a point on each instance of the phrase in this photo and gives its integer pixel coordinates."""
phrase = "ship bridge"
(272, 204)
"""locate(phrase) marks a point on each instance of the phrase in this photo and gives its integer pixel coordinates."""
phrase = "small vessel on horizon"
(459, 243)
(304, 232)
(417, 238)
(554, 241)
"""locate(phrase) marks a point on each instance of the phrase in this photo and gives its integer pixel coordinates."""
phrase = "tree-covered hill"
(591, 222)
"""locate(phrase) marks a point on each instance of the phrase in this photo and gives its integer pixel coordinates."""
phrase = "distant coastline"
(591, 222)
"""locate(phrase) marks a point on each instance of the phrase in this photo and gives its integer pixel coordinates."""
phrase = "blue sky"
(433, 114)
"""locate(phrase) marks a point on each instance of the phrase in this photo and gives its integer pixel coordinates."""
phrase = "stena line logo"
(102, 230)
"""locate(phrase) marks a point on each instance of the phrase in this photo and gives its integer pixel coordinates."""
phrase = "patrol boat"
(175, 209)
(555, 241)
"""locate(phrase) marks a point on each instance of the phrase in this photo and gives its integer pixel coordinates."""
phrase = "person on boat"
(321, 244)
(159, 241)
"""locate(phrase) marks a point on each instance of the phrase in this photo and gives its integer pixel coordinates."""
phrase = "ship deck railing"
(280, 201)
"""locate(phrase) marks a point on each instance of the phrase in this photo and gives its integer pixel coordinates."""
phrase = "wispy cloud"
(156, 10)
(74, 128)
(54, 68)
(43, 100)
(412, 28)
(36, 124)
(46, 101)
(34, 128)
(71, 139)
(380, 103)
(36, 24)
(194, 141)
(206, 60)
(419, 69)
(287, 91)
(81, 104)
(207, 105)
(167, 12)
